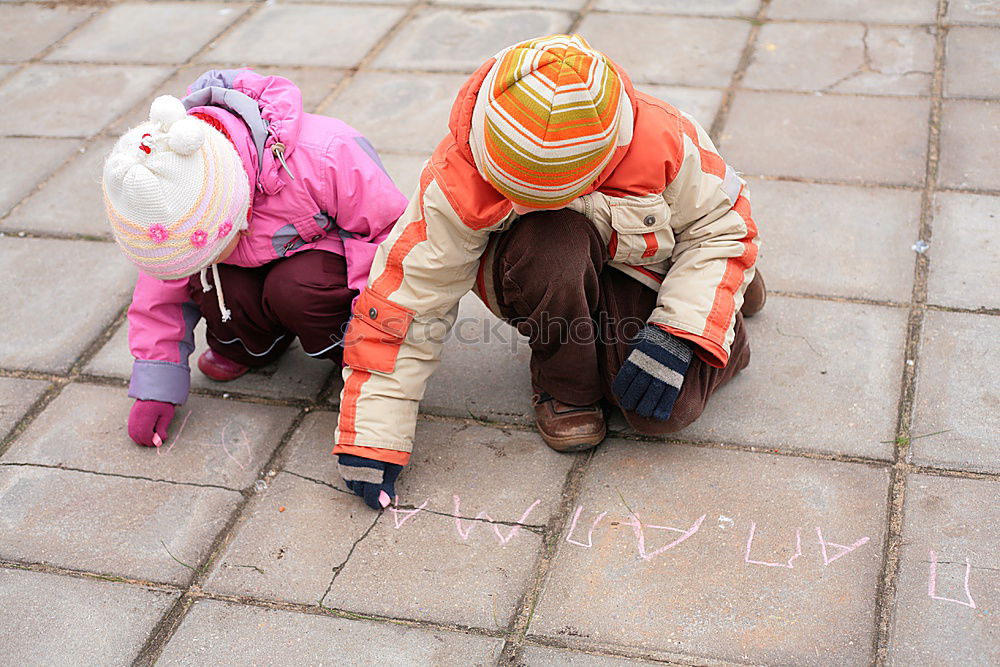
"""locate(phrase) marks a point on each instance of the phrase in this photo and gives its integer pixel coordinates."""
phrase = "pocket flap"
(639, 215)
(388, 317)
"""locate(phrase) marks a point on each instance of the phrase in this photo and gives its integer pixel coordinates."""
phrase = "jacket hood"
(460, 120)
(269, 106)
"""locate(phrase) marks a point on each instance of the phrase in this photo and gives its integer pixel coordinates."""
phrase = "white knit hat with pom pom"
(175, 191)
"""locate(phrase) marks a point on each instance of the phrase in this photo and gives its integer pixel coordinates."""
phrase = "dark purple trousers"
(305, 295)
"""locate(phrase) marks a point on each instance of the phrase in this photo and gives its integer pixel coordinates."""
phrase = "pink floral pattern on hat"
(225, 228)
(158, 233)
(199, 238)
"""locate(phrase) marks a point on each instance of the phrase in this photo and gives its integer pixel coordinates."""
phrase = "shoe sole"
(573, 444)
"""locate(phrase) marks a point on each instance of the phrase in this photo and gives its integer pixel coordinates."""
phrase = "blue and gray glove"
(374, 481)
(651, 377)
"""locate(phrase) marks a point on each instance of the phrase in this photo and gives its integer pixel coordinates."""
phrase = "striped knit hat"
(549, 115)
(175, 191)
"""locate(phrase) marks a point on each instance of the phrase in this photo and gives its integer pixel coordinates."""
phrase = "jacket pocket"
(375, 333)
(641, 232)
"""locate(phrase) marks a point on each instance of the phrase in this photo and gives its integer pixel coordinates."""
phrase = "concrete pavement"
(835, 505)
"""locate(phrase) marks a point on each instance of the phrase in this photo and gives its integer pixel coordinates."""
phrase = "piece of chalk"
(383, 499)
(157, 440)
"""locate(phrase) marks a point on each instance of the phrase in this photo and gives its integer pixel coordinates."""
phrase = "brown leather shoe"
(568, 428)
(755, 296)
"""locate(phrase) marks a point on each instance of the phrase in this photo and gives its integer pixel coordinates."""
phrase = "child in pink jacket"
(240, 208)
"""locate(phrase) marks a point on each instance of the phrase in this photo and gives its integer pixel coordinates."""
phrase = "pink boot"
(219, 368)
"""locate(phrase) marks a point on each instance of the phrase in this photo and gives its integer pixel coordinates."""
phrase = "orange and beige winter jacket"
(673, 214)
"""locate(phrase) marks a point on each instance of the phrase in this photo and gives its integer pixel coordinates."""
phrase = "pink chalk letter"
(844, 549)
(932, 584)
(590, 533)
(640, 535)
(798, 549)
(484, 516)
(408, 514)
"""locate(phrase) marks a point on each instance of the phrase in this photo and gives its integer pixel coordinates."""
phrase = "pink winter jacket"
(340, 200)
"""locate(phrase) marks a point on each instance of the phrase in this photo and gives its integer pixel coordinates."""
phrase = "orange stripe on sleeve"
(724, 304)
(416, 232)
(711, 162)
(349, 406)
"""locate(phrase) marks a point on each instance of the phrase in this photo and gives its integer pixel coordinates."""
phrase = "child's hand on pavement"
(374, 481)
(148, 422)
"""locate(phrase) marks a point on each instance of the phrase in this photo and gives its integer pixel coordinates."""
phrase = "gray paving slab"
(948, 589)
(701, 103)
(456, 40)
(837, 240)
(399, 111)
(437, 574)
(958, 393)
(743, 8)
(50, 316)
(211, 441)
(720, 554)
(974, 11)
(454, 570)
(876, 140)
(109, 525)
(290, 540)
(325, 35)
(702, 52)
(972, 64)
(555, 657)
(310, 449)
(72, 100)
(856, 59)
(484, 371)
(71, 202)
(970, 138)
(823, 377)
(551, 4)
(29, 30)
(218, 632)
(50, 619)
(16, 397)
(965, 264)
(294, 375)
(37, 158)
(493, 470)
(315, 83)
(159, 32)
(886, 11)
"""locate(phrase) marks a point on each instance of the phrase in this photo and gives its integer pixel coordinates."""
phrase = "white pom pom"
(166, 110)
(116, 166)
(186, 136)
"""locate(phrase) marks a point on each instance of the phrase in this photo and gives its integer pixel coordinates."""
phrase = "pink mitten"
(148, 422)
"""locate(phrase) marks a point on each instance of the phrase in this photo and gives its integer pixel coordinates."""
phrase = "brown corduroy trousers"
(552, 282)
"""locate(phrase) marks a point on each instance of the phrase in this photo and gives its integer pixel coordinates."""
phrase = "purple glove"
(148, 422)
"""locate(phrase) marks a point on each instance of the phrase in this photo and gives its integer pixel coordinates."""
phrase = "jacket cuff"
(163, 381)
(396, 456)
(707, 350)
